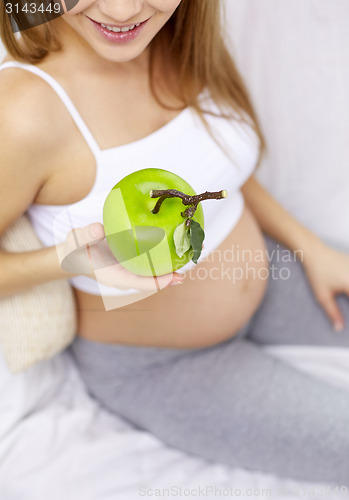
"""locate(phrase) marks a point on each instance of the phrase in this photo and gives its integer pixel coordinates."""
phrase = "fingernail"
(93, 230)
(338, 326)
(176, 283)
(177, 279)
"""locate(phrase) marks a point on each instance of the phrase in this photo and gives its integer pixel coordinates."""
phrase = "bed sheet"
(56, 442)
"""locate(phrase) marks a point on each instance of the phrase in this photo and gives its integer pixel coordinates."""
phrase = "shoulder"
(28, 139)
(26, 105)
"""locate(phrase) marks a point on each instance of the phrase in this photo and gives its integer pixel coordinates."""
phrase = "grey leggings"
(234, 403)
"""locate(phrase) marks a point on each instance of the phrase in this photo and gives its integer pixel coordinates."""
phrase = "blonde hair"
(191, 42)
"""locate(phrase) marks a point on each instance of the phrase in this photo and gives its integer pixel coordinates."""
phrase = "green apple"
(143, 242)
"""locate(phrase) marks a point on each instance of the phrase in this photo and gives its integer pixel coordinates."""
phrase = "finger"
(76, 257)
(119, 277)
(101, 255)
(153, 283)
(97, 230)
(78, 238)
(330, 306)
(169, 280)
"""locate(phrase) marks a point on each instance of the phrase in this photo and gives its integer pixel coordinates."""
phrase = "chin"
(122, 57)
(115, 54)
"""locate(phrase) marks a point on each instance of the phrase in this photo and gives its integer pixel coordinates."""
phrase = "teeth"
(117, 30)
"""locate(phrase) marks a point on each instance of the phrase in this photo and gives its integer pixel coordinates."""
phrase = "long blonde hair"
(191, 41)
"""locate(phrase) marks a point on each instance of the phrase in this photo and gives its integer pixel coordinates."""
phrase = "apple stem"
(192, 201)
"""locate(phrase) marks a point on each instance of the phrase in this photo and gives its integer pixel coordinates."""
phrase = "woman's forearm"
(326, 268)
(276, 221)
(21, 271)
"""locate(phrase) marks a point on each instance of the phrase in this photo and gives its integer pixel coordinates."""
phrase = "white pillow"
(39, 322)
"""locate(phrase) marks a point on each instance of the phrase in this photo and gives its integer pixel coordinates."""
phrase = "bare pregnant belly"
(217, 298)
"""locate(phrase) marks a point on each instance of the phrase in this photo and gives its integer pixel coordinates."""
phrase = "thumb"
(331, 308)
(74, 255)
(97, 231)
(79, 238)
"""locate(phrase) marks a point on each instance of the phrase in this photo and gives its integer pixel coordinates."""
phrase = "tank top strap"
(64, 98)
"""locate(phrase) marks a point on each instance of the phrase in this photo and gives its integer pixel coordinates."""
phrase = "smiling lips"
(118, 30)
(114, 33)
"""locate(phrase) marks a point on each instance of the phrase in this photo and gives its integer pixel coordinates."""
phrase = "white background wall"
(294, 55)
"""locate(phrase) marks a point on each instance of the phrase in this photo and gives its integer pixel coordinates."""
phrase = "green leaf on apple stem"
(197, 236)
(181, 239)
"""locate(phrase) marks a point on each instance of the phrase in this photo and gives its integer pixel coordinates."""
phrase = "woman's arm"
(20, 271)
(327, 269)
(24, 158)
(276, 221)
(26, 152)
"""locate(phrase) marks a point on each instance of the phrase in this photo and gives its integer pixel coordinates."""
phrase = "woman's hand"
(86, 252)
(328, 273)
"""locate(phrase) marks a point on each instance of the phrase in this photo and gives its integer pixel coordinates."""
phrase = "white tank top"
(182, 146)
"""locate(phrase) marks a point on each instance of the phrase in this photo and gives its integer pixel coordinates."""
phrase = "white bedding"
(57, 443)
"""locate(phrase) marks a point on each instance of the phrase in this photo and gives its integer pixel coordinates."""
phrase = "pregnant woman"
(113, 86)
